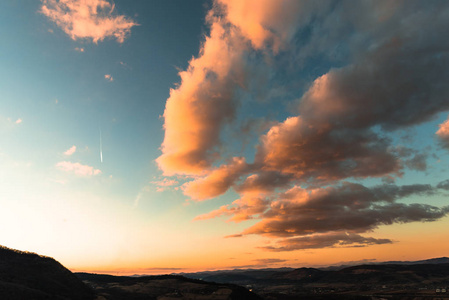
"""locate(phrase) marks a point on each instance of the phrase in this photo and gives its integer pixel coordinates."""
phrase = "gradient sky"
(170, 136)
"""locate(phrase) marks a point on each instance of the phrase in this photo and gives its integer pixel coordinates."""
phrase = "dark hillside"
(25, 275)
(165, 287)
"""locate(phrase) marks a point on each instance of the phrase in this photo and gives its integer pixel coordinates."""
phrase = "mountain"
(243, 277)
(25, 275)
(439, 260)
(406, 280)
(167, 287)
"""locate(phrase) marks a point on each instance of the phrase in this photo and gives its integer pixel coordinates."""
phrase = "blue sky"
(216, 117)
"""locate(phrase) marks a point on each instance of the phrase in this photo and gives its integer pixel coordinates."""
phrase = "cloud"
(349, 207)
(108, 77)
(249, 206)
(326, 241)
(443, 185)
(378, 72)
(164, 184)
(77, 169)
(443, 134)
(93, 19)
(264, 22)
(269, 261)
(418, 162)
(203, 102)
(264, 182)
(140, 195)
(79, 49)
(331, 216)
(8, 123)
(217, 182)
(70, 151)
(320, 152)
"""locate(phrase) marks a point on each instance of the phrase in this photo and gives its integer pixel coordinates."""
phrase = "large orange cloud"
(203, 103)
(389, 75)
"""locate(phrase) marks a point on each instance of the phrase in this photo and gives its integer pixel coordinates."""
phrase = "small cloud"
(56, 101)
(59, 181)
(79, 49)
(417, 163)
(443, 134)
(93, 20)
(70, 151)
(77, 168)
(164, 184)
(125, 65)
(268, 261)
(108, 77)
(234, 236)
(18, 121)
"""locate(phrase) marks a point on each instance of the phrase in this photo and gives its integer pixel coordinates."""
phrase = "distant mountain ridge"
(396, 280)
(438, 260)
(264, 272)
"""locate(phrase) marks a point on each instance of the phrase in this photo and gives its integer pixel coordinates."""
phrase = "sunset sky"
(145, 137)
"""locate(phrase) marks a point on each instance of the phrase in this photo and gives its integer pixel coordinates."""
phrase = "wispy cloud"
(82, 19)
(164, 184)
(125, 65)
(79, 49)
(9, 123)
(70, 151)
(140, 195)
(77, 169)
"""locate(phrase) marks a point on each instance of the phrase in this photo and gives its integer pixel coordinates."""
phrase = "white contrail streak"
(101, 149)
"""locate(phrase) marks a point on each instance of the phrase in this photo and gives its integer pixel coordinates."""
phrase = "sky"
(148, 137)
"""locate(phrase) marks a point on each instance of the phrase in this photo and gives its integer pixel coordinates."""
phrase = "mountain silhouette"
(25, 275)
